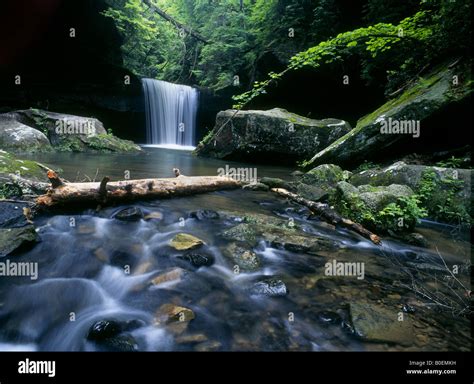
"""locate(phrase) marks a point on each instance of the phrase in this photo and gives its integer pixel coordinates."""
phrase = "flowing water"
(101, 269)
(170, 113)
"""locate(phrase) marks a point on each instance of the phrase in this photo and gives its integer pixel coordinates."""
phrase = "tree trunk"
(105, 192)
(329, 215)
(167, 17)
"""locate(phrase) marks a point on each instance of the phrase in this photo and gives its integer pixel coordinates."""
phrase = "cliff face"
(68, 57)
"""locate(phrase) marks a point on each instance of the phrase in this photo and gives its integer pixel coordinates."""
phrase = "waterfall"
(170, 113)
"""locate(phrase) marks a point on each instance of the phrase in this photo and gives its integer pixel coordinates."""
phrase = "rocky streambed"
(238, 270)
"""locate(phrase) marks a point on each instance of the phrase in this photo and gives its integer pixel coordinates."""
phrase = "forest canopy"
(252, 43)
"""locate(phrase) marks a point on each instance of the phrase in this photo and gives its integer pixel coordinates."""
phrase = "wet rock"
(312, 192)
(274, 182)
(407, 308)
(14, 240)
(191, 339)
(185, 241)
(328, 317)
(104, 329)
(246, 259)
(153, 216)
(204, 214)
(171, 313)
(416, 239)
(11, 215)
(260, 134)
(111, 335)
(198, 260)
(129, 214)
(121, 343)
(176, 274)
(208, 346)
(376, 323)
(257, 187)
(269, 287)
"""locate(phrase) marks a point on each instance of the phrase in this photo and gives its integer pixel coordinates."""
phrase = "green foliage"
(402, 215)
(453, 162)
(441, 198)
(370, 41)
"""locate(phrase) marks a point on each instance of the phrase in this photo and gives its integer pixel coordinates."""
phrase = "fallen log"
(329, 215)
(63, 193)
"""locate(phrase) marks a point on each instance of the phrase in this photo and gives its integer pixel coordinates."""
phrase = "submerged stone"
(185, 241)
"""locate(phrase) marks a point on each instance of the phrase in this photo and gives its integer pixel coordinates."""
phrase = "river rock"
(246, 259)
(204, 214)
(376, 323)
(328, 317)
(129, 214)
(109, 335)
(256, 187)
(18, 137)
(171, 313)
(175, 274)
(11, 215)
(185, 241)
(269, 287)
(274, 182)
(198, 260)
(104, 329)
(15, 239)
(153, 216)
(276, 133)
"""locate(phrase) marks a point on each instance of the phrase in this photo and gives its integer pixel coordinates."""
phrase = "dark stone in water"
(11, 215)
(204, 214)
(104, 329)
(198, 259)
(408, 308)
(269, 287)
(328, 317)
(109, 336)
(122, 343)
(129, 214)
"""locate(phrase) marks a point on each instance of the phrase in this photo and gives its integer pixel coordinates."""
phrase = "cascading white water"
(170, 113)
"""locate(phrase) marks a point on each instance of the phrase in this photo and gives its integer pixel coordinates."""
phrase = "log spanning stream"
(117, 278)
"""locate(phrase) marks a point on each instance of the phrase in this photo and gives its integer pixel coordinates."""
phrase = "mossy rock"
(185, 241)
(15, 239)
(431, 95)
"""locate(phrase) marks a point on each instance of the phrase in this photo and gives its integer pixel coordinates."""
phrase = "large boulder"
(256, 135)
(18, 137)
(413, 121)
(67, 132)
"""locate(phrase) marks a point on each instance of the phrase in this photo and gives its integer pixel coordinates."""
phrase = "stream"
(101, 269)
